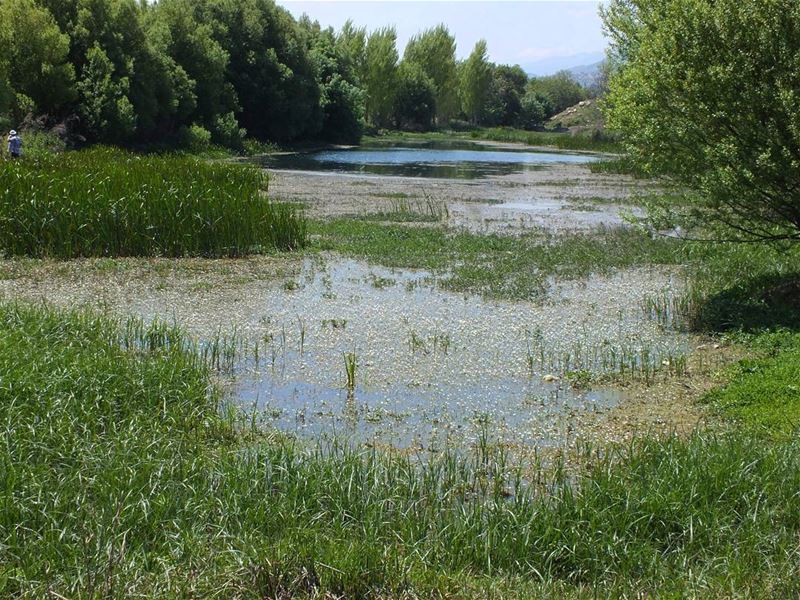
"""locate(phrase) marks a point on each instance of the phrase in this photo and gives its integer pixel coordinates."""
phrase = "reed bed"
(120, 477)
(108, 202)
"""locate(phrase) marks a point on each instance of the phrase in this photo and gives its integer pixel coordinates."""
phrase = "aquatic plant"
(107, 202)
(350, 364)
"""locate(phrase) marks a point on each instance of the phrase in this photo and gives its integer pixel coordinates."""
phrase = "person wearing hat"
(14, 144)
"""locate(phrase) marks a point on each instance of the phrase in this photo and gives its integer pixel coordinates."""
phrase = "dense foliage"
(708, 92)
(105, 202)
(122, 71)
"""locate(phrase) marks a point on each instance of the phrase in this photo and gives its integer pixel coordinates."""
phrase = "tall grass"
(119, 478)
(106, 202)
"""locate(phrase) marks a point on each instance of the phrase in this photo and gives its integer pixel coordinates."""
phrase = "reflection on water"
(463, 161)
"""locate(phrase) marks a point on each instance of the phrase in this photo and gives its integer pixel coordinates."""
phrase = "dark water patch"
(463, 162)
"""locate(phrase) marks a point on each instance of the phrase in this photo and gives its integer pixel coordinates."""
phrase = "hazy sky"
(516, 32)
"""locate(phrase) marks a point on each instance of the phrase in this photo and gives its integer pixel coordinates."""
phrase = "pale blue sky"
(532, 33)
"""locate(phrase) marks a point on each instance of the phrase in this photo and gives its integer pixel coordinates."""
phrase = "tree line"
(127, 71)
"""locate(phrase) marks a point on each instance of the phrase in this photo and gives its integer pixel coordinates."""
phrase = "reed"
(107, 202)
(350, 364)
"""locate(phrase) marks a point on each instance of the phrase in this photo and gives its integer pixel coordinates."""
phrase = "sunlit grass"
(120, 478)
(496, 265)
(105, 202)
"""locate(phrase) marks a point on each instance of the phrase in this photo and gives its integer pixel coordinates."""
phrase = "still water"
(461, 161)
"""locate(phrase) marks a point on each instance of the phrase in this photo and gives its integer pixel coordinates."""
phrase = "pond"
(433, 160)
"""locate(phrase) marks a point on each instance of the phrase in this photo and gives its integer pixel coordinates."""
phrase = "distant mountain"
(587, 75)
(548, 66)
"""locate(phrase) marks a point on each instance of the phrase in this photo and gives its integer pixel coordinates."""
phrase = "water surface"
(447, 161)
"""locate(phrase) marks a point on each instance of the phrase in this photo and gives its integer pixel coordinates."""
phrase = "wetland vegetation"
(106, 202)
(568, 380)
(130, 481)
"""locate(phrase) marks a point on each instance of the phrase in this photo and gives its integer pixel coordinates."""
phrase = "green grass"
(403, 209)
(119, 478)
(105, 202)
(743, 287)
(494, 265)
(763, 390)
(559, 140)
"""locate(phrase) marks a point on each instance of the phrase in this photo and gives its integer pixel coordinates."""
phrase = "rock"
(549, 378)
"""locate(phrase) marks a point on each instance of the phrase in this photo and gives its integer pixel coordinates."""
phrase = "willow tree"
(708, 93)
(35, 52)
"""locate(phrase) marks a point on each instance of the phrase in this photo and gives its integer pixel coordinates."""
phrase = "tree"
(504, 104)
(6, 93)
(117, 28)
(40, 77)
(380, 81)
(415, 105)
(476, 76)
(341, 100)
(352, 45)
(561, 90)
(105, 108)
(269, 68)
(534, 110)
(175, 28)
(708, 93)
(434, 52)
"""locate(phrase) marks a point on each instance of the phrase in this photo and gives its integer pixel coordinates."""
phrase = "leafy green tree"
(106, 111)
(65, 13)
(341, 100)
(117, 28)
(561, 90)
(270, 68)
(504, 103)
(6, 93)
(415, 105)
(708, 93)
(476, 77)
(177, 32)
(352, 45)
(534, 110)
(40, 77)
(434, 52)
(380, 81)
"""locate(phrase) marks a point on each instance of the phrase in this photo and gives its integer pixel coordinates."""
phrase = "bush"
(194, 138)
(226, 132)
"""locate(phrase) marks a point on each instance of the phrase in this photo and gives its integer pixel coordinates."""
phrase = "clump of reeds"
(108, 202)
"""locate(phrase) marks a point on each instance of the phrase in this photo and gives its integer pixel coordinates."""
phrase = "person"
(14, 144)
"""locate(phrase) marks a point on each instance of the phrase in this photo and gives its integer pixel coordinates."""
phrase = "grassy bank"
(105, 202)
(559, 140)
(120, 478)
